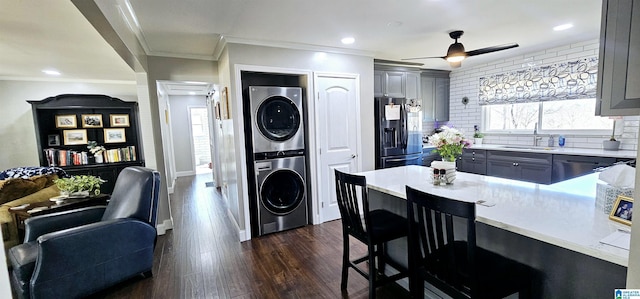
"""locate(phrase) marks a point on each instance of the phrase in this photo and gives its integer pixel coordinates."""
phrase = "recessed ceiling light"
(51, 72)
(192, 93)
(348, 40)
(563, 27)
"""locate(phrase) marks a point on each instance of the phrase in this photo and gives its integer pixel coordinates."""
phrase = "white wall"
(180, 126)
(465, 82)
(304, 61)
(18, 146)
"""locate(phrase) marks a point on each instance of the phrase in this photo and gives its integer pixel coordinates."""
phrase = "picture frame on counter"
(91, 120)
(75, 137)
(119, 120)
(622, 210)
(114, 136)
(67, 121)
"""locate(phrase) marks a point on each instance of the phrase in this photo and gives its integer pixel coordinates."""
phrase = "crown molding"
(224, 40)
(73, 80)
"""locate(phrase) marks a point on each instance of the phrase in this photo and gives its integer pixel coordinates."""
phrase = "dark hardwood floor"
(202, 257)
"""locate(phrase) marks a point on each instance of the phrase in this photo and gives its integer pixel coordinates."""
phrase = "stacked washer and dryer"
(279, 156)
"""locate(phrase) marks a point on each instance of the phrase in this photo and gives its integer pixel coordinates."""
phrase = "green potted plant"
(477, 136)
(612, 144)
(96, 150)
(79, 185)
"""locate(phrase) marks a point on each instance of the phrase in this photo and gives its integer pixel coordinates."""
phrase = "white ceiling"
(37, 34)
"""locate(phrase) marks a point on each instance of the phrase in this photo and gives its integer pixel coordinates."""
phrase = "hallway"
(203, 258)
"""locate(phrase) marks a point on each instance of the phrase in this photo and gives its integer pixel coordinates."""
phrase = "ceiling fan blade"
(491, 49)
(416, 58)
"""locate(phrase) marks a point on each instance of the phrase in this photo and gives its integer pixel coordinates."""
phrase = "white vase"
(477, 141)
(449, 167)
(609, 145)
(98, 158)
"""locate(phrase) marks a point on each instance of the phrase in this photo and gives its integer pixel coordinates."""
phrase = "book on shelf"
(62, 157)
(65, 157)
(124, 154)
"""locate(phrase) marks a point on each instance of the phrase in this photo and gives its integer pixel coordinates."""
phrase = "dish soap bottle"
(551, 142)
(561, 141)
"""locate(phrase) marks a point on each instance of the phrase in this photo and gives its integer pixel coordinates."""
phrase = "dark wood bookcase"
(54, 119)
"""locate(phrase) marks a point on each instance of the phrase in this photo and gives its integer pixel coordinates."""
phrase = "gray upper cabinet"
(378, 83)
(435, 95)
(389, 84)
(413, 85)
(619, 60)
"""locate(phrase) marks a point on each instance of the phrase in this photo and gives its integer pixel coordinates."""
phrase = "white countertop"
(625, 154)
(562, 214)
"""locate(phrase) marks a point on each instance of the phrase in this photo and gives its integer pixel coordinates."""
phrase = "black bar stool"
(373, 228)
(450, 260)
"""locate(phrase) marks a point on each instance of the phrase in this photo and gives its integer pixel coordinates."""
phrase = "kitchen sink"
(526, 147)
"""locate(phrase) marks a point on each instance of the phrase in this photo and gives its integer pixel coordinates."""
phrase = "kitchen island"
(555, 228)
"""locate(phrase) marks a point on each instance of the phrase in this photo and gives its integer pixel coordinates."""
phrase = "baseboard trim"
(242, 235)
(163, 227)
(185, 173)
(171, 188)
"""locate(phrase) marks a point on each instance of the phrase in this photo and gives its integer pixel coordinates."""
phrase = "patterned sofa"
(23, 185)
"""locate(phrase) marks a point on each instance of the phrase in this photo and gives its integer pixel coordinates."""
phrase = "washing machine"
(277, 118)
(282, 194)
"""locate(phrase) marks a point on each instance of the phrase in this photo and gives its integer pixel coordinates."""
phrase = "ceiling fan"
(456, 53)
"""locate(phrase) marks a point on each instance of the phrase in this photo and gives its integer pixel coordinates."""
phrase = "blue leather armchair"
(76, 253)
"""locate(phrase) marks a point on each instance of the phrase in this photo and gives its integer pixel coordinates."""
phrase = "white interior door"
(338, 134)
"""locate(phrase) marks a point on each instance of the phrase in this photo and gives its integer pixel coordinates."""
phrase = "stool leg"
(345, 261)
(372, 271)
(382, 255)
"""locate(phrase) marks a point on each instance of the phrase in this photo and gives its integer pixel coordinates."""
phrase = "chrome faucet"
(536, 138)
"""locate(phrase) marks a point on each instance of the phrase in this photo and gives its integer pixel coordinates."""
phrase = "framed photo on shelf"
(622, 210)
(66, 121)
(217, 110)
(53, 140)
(91, 120)
(75, 137)
(225, 109)
(119, 120)
(114, 136)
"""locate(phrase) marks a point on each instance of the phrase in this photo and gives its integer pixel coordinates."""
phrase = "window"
(574, 116)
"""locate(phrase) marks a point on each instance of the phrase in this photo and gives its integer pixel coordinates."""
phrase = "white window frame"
(485, 119)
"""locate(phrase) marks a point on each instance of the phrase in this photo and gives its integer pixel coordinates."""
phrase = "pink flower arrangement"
(449, 143)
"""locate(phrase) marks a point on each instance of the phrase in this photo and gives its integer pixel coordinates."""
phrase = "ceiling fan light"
(456, 53)
(456, 58)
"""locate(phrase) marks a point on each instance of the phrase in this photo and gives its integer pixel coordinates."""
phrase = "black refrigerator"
(398, 131)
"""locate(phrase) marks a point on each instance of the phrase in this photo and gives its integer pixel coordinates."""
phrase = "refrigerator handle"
(405, 126)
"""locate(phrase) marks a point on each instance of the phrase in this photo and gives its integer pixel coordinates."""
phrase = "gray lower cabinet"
(568, 166)
(619, 59)
(530, 167)
(473, 161)
(429, 156)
